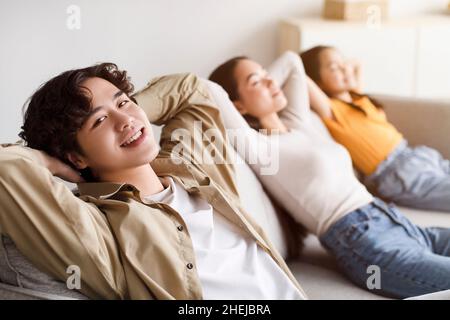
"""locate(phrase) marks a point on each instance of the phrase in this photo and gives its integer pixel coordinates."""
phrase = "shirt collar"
(180, 172)
(102, 190)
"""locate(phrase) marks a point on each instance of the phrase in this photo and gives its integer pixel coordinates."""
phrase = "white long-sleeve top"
(308, 173)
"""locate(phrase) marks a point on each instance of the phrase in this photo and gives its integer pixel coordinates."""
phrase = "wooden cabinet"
(406, 57)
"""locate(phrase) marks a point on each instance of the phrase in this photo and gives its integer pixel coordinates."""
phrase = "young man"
(147, 224)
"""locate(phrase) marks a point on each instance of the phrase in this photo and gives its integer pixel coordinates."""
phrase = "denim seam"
(355, 256)
(398, 222)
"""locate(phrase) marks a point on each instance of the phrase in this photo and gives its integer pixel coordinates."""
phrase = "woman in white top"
(313, 178)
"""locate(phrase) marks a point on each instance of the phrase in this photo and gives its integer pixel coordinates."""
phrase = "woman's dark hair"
(224, 76)
(59, 108)
(311, 62)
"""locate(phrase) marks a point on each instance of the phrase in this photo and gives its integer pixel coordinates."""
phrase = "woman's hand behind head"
(57, 167)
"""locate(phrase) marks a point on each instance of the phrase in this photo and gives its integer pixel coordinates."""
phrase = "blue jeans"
(414, 177)
(412, 260)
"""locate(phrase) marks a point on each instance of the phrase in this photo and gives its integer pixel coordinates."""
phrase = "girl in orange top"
(411, 176)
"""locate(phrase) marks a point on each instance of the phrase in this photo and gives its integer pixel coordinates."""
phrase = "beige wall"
(146, 37)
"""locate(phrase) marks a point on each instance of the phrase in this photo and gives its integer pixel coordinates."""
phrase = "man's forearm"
(165, 97)
(45, 220)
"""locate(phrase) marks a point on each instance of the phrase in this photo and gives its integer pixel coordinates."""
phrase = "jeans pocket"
(389, 210)
(427, 154)
(391, 185)
(355, 233)
(397, 217)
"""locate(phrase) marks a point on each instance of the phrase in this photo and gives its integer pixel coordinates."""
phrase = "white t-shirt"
(230, 263)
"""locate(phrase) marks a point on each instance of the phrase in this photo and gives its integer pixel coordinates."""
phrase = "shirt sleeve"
(289, 74)
(193, 128)
(55, 229)
(256, 148)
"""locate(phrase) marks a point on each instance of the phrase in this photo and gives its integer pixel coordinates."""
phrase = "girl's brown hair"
(311, 62)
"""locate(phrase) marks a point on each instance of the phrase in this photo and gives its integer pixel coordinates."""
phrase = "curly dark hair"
(59, 108)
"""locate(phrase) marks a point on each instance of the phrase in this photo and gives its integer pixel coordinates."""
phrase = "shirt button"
(180, 228)
(189, 266)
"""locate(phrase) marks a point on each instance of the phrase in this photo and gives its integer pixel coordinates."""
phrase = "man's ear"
(76, 160)
(240, 107)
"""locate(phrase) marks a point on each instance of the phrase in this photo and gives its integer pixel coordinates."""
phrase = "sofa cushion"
(256, 203)
(9, 292)
(18, 271)
(420, 121)
(425, 218)
(440, 295)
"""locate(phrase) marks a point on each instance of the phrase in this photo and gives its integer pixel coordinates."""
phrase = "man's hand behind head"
(57, 167)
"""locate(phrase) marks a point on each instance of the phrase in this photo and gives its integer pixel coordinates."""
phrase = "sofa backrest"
(421, 121)
(25, 280)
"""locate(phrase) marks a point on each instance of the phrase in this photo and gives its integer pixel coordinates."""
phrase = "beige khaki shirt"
(126, 249)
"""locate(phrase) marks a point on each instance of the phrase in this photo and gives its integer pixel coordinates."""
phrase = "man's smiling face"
(116, 136)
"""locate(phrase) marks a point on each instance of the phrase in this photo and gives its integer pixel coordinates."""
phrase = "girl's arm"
(353, 71)
(320, 102)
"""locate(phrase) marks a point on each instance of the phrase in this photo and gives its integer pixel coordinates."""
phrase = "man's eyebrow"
(118, 94)
(97, 109)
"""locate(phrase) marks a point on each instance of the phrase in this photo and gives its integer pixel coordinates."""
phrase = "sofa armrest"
(8, 292)
(421, 121)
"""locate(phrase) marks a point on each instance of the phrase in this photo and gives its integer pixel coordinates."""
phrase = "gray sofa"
(421, 121)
